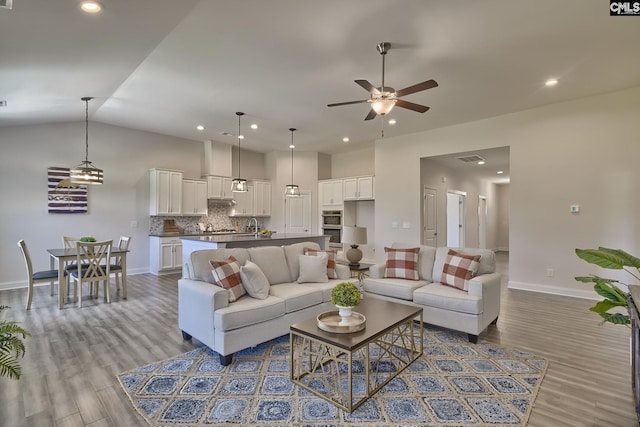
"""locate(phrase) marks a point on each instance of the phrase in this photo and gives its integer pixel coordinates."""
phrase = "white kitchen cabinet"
(166, 192)
(331, 194)
(262, 198)
(194, 197)
(165, 254)
(219, 187)
(358, 188)
(244, 202)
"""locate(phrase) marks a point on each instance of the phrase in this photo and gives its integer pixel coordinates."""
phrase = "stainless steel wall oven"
(332, 227)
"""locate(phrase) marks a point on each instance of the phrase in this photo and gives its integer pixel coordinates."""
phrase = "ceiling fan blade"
(411, 106)
(372, 114)
(347, 103)
(367, 86)
(417, 88)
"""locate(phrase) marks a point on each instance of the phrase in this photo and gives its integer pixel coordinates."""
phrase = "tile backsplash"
(218, 217)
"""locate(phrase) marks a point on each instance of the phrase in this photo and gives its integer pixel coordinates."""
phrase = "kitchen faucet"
(254, 220)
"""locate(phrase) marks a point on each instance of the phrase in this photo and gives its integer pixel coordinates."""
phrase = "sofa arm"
(484, 283)
(197, 301)
(343, 272)
(376, 271)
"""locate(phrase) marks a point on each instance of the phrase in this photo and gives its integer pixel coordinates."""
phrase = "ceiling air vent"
(472, 158)
(6, 4)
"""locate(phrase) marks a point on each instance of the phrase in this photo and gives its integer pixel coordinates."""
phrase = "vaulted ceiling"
(166, 66)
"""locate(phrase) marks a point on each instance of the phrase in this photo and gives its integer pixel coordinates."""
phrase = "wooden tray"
(331, 321)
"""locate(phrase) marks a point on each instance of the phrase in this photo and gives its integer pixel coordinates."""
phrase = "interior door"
(429, 216)
(297, 214)
(455, 219)
(482, 222)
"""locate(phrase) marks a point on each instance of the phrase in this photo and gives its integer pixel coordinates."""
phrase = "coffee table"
(346, 369)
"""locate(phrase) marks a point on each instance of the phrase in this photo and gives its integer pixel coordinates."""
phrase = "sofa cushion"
(226, 274)
(200, 267)
(291, 253)
(459, 269)
(395, 288)
(325, 288)
(296, 297)
(448, 298)
(487, 260)
(272, 262)
(254, 280)
(331, 260)
(402, 263)
(248, 311)
(313, 268)
(425, 259)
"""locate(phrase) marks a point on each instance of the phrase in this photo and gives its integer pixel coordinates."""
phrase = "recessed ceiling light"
(91, 6)
(500, 172)
(200, 127)
(241, 137)
(292, 146)
(345, 139)
(392, 121)
(481, 162)
(254, 126)
(551, 82)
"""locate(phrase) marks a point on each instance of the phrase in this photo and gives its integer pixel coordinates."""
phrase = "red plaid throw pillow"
(227, 275)
(331, 260)
(459, 269)
(402, 263)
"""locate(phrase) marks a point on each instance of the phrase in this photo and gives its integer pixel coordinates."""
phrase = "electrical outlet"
(550, 272)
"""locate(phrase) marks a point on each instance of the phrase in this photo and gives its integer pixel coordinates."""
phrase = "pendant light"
(85, 172)
(239, 185)
(292, 190)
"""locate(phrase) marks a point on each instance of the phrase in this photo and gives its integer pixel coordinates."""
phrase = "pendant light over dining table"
(239, 185)
(85, 172)
(292, 190)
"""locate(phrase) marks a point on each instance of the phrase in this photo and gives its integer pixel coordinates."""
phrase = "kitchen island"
(196, 243)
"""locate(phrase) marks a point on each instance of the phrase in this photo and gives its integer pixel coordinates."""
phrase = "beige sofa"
(205, 313)
(469, 311)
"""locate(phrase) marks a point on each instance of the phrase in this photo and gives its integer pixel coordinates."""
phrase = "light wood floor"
(74, 354)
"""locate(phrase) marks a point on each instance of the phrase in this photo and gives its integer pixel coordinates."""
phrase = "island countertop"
(198, 243)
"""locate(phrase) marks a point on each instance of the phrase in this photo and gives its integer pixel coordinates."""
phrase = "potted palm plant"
(613, 296)
(11, 347)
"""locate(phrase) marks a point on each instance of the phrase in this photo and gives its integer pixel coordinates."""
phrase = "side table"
(360, 272)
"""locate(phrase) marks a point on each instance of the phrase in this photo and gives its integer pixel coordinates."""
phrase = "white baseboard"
(501, 249)
(23, 284)
(554, 290)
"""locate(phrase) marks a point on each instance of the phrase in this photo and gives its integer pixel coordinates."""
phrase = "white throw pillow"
(313, 268)
(254, 281)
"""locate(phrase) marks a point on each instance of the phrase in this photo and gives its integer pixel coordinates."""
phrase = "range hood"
(217, 159)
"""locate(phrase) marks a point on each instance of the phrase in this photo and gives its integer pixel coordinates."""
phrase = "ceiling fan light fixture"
(383, 106)
(85, 173)
(292, 190)
(239, 185)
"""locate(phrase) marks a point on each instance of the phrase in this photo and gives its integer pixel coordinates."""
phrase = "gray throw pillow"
(254, 280)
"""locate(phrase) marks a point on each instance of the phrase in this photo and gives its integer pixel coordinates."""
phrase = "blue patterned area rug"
(454, 383)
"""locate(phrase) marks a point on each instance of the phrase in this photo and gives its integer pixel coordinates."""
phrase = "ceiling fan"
(383, 98)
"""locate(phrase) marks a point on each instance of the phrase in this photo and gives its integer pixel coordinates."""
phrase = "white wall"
(502, 191)
(125, 155)
(353, 163)
(581, 152)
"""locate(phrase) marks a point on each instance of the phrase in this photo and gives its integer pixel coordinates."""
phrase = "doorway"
(297, 214)
(430, 216)
(482, 222)
(455, 218)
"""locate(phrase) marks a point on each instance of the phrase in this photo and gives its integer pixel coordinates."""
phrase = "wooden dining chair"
(116, 267)
(93, 266)
(38, 276)
(69, 242)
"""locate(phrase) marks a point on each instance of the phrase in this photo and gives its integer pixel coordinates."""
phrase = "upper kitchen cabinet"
(331, 194)
(194, 197)
(359, 188)
(262, 199)
(166, 192)
(219, 187)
